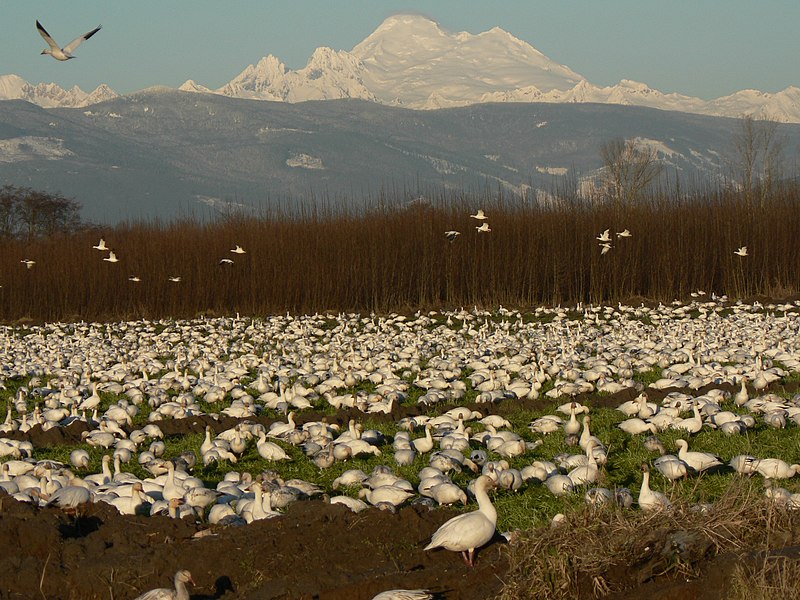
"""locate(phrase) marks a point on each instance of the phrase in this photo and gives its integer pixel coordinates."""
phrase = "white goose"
(699, 461)
(64, 53)
(650, 499)
(180, 592)
(464, 533)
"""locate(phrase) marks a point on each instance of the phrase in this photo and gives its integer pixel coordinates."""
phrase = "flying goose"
(64, 53)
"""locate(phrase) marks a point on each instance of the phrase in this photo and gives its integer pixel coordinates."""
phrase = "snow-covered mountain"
(410, 61)
(49, 95)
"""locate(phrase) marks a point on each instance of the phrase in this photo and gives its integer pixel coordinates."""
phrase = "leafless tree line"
(27, 213)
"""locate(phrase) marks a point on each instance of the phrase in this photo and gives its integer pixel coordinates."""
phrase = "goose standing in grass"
(464, 533)
(775, 468)
(64, 53)
(650, 499)
(180, 592)
(699, 461)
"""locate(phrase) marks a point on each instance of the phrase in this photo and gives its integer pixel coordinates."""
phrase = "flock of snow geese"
(248, 369)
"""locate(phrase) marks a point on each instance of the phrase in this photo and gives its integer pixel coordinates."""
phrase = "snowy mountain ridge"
(410, 61)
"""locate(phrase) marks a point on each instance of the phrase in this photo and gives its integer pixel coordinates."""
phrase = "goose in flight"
(134, 278)
(175, 279)
(28, 262)
(483, 228)
(479, 215)
(452, 235)
(624, 233)
(64, 53)
(605, 248)
(101, 245)
(239, 250)
(225, 261)
(605, 236)
(112, 258)
(741, 251)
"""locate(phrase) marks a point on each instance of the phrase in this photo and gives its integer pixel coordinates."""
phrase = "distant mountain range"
(162, 153)
(409, 61)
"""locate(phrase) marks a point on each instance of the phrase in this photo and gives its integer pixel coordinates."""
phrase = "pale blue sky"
(705, 48)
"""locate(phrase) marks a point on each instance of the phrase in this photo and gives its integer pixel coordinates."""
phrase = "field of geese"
(419, 455)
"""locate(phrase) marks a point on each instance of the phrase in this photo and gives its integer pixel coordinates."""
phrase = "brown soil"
(315, 550)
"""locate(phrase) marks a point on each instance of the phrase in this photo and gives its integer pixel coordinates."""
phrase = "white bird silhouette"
(239, 250)
(112, 258)
(225, 261)
(605, 236)
(605, 248)
(28, 262)
(101, 245)
(175, 279)
(134, 278)
(741, 251)
(624, 233)
(479, 215)
(64, 53)
(483, 228)
(452, 235)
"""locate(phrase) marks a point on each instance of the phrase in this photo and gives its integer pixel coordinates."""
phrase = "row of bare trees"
(756, 164)
(27, 213)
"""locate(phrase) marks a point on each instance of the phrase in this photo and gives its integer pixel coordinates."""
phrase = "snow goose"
(180, 592)
(101, 245)
(670, 466)
(775, 468)
(64, 53)
(650, 499)
(699, 461)
(480, 215)
(464, 533)
(404, 595)
(112, 258)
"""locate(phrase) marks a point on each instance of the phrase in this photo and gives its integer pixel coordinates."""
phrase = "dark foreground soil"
(315, 550)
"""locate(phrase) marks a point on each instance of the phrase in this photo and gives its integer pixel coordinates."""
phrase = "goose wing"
(69, 48)
(47, 38)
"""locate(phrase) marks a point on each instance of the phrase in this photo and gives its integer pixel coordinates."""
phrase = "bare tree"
(757, 157)
(629, 168)
(8, 209)
(30, 213)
